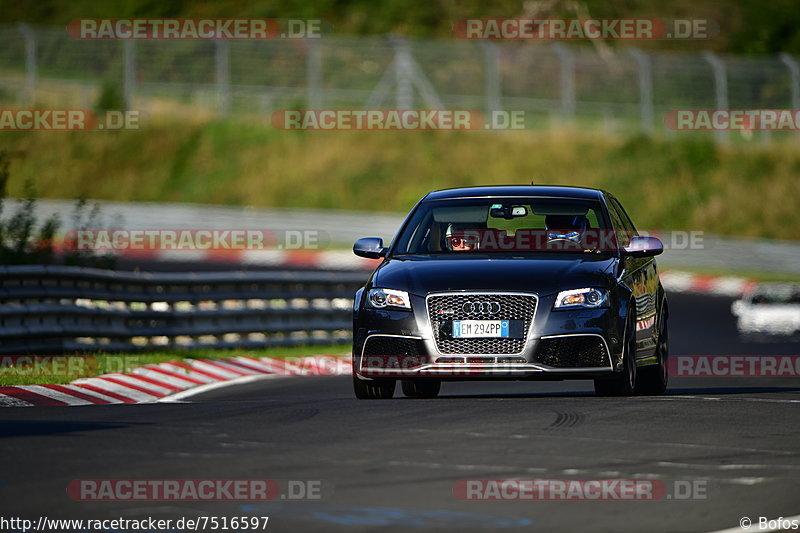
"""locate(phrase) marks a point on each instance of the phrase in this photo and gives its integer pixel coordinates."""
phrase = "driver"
(460, 240)
(565, 227)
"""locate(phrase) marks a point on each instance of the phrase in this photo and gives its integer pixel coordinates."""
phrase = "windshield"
(510, 225)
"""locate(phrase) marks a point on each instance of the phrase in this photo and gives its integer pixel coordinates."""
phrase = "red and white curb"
(324, 260)
(675, 281)
(170, 381)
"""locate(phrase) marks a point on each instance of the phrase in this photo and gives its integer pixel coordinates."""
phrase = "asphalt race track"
(392, 465)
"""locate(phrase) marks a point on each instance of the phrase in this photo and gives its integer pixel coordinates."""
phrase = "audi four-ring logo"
(481, 308)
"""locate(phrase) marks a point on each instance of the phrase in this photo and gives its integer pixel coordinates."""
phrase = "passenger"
(565, 227)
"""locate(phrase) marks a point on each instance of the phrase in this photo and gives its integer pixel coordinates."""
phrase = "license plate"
(466, 329)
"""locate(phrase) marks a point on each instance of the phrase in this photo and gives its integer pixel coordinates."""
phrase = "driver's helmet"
(565, 227)
(460, 239)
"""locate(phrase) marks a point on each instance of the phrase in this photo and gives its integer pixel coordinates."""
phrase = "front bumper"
(563, 344)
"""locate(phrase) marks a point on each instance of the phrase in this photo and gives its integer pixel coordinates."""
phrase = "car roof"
(555, 191)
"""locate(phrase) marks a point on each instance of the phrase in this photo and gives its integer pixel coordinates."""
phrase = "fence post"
(567, 80)
(720, 87)
(222, 58)
(28, 34)
(794, 76)
(405, 73)
(404, 93)
(313, 74)
(128, 72)
(493, 84)
(644, 68)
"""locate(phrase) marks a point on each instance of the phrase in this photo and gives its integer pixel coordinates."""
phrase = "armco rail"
(57, 309)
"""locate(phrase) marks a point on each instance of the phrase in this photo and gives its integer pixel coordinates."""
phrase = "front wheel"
(421, 389)
(624, 383)
(653, 379)
(377, 389)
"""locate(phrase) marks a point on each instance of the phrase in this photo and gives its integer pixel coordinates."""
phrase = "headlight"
(581, 298)
(381, 298)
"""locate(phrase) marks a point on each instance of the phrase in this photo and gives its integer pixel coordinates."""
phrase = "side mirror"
(370, 247)
(644, 247)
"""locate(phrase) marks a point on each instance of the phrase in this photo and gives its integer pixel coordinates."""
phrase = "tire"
(653, 379)
(624, 383)
(377, 389)
(421, 389)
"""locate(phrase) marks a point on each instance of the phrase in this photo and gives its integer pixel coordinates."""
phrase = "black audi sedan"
(512, 283)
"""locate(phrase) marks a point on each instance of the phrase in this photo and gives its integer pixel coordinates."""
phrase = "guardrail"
(57, 309)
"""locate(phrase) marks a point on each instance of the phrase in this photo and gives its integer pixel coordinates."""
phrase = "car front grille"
(573, 351)
(444, 308)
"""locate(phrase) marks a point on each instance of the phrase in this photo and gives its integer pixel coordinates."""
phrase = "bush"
(110, 99)
(23, 243)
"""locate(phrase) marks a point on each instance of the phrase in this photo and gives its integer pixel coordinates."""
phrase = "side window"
(626, 220)
(620, 224)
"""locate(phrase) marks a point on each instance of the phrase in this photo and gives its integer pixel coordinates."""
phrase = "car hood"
(543, 275)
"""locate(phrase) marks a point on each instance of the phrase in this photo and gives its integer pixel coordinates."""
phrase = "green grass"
(688, 183)
(95, 364)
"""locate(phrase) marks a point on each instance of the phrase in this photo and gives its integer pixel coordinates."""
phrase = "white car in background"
(769, 309)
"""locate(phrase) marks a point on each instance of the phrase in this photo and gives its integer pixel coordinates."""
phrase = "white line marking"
(729, 467)
(463, 467)
(747, 480)
(715, 399)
